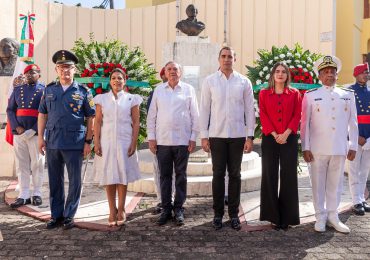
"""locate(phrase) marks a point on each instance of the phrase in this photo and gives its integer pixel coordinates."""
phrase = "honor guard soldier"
(62, 134)
(22, 112)
(359, 168)
(329, 135)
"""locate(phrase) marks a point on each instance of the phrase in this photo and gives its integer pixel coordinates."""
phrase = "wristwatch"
(88, 141)
(251, 137)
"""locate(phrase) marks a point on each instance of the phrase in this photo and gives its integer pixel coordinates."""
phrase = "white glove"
(29, 133)
(366, 146)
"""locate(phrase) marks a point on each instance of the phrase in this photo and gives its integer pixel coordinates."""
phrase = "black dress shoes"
(157, 209)
(68, 223)
(284, 227)
(217, 223)
(20, 202)
(179, 217)
(235, 224)
(54, 223)
(366, 206)
(358, 209)
(164, 217)
(36, 200)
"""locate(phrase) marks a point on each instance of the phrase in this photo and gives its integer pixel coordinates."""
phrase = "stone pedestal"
(197, 56)
(199, 175)
(7, 163)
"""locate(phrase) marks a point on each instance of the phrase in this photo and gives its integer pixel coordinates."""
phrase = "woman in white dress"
(116, 130)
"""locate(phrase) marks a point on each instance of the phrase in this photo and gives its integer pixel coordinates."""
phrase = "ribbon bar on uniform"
(27, 112)
(363, 119)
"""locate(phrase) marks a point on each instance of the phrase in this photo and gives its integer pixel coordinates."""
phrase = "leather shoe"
(54, 223)
(157, 209)
(179, 217)
(366, 206)
(20, 202)
(338, 225)
(276, 227)
(320, 226)
(358, 209)
(235, 224)
(163, 218)
(217, 223)
(68, 223)
(284, 227)
(36, 200)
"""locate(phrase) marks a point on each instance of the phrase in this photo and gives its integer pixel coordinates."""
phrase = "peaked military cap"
(327, 61)
(64, 57)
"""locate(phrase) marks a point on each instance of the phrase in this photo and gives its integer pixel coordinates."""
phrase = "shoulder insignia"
(311, 90)
(348, 89)
(83, 86)
(51, 83)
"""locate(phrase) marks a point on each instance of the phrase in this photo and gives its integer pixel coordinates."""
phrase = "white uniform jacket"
(329, 121)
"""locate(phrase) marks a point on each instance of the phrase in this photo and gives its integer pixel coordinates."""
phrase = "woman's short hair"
(119, 71)
(271, 82)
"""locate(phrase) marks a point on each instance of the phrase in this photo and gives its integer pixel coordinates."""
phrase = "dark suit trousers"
(279, 206)
(56, 160)
(169, 158)
(227, 153)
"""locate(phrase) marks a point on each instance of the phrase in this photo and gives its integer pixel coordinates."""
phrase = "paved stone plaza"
(26, 237)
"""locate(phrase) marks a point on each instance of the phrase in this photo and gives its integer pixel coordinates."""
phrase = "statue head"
(8, 48)
(191, 26)
(8, 56)
(191, 11)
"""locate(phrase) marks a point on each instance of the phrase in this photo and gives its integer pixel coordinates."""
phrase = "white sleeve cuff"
(250, 131)
(151, 136)
(204, 134)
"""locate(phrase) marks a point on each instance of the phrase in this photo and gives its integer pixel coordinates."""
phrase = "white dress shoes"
(320, 226)
(338, 225)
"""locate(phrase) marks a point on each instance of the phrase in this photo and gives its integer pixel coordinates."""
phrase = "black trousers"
(169, 158)
(279, 206)
(227, 153)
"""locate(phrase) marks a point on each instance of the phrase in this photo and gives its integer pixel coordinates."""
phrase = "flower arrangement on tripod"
(299, 61)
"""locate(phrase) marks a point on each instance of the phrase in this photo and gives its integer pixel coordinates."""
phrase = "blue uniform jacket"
(66, 115)
(363, 109)
(23, 105)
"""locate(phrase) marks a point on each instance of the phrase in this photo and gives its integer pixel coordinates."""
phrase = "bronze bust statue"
(191, 26)
(8, 56)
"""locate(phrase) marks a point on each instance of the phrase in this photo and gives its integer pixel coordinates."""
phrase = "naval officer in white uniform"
(329, 135)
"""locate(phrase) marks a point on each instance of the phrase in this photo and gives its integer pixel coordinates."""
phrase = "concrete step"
(200, 185)
(250, 161)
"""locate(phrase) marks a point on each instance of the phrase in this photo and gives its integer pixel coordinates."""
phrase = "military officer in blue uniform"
(22, 112)
(63, 135)
(359, 168)
(329, 135)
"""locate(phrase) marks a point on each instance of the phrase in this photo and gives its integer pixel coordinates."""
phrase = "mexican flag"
(25, 57)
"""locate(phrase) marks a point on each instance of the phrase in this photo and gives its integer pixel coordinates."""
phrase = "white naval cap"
(327, 61)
